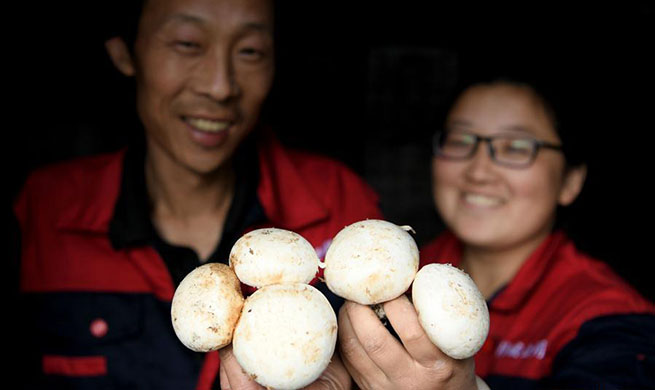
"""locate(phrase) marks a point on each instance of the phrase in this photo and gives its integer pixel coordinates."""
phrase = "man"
(106, 239)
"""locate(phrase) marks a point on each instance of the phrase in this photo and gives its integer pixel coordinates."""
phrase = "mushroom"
(374, 261)
(371, 261)
(206, 307)
(271, 256)
(286, 335)
(451, 309)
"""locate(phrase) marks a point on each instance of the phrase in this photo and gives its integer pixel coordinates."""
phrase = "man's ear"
(574, 179)
(120, 56)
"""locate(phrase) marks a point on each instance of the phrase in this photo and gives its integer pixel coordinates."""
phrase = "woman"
(558, 318)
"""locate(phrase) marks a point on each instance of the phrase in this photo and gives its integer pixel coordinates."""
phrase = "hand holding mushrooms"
(372, 262)
(232, 376)
(283, 335)
(377, 360)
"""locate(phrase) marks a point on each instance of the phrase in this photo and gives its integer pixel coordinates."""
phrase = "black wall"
(365, 84)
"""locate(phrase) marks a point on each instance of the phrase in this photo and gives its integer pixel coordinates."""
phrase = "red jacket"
(97, 305)
(565, 320)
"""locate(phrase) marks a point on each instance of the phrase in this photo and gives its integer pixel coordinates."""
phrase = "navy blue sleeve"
(15, 342)
(610, 352)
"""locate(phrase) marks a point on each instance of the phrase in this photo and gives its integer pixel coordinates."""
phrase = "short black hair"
(123, 21)
(125, 18)
(553, 90)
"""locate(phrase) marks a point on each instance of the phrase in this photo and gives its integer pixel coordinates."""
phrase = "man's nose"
(216, 79)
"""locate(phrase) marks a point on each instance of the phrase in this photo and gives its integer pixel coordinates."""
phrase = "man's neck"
(185, 194)
(188, 208)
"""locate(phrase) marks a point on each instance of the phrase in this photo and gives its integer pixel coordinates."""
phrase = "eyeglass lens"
(505, 149)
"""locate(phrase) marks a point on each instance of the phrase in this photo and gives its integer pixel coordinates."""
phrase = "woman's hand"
(376, 360)
(232, 376)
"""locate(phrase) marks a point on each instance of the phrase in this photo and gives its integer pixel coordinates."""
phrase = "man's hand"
(335, 377)
(232, 376)
(376, 360)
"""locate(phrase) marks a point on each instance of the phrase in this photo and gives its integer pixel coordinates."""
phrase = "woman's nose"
(481, 165)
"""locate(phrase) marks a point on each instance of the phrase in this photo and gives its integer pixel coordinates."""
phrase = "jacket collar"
(512, 295)
(130, 224)
(530, 274)
(93, 186)
(286, 198)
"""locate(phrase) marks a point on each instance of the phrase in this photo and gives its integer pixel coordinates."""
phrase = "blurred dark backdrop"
(365, 83)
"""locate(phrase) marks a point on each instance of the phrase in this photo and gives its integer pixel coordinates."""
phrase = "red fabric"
(555, 291)
(64, 212)
(209, 371)
(74, 366)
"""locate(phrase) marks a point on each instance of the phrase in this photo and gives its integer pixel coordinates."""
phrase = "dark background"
(365, 83)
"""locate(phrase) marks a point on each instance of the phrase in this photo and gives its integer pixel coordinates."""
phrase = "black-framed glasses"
(515, 151)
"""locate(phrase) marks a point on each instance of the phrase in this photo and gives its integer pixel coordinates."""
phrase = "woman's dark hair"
(556, 103)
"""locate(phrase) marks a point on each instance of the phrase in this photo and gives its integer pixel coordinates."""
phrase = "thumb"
(235, 377)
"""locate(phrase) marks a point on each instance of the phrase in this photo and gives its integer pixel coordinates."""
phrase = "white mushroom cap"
(371, 261)
(451, 310)
(286, 335)
(206, 307)
(271, 256)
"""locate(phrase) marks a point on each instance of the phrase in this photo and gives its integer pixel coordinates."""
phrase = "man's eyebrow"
(184, 18)
(257, 26)
(188, 18)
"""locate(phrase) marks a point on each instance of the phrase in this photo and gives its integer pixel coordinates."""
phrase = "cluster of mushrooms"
(284, 334)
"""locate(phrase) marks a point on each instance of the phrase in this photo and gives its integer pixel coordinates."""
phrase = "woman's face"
(492, 206)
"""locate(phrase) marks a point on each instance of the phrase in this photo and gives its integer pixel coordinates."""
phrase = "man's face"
(203, 69)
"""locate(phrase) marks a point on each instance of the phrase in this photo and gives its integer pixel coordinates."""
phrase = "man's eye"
(187, 45)
(251, 53)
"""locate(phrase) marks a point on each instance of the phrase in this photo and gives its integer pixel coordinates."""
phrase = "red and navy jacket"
(97, 314)
(565, 321)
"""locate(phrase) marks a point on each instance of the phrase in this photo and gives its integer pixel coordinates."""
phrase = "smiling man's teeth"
(482, 200)
(207, 125)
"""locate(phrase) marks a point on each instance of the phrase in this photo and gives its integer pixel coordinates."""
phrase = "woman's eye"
(519, 147)
(460, 140)
(457, 143)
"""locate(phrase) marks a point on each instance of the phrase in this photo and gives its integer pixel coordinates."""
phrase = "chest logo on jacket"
(321, 250)
(521, 350)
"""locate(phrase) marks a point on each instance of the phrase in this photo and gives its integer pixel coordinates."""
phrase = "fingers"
(352, 352)
(335, 377)
(369, 345)
(404, 319)
(232, 376)
(223, 379)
